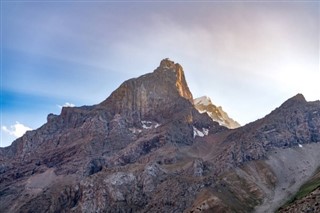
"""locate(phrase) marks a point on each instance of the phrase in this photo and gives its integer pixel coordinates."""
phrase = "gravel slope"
(292, 168)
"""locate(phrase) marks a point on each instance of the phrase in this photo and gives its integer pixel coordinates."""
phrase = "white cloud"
(67, 104)
(16, 130)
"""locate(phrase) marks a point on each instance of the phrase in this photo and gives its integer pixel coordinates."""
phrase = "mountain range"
(151, 147)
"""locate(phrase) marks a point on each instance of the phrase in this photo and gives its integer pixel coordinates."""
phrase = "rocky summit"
(147, 148)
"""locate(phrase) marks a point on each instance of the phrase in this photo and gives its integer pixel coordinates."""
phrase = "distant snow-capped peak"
(205, 105)
(204, 100)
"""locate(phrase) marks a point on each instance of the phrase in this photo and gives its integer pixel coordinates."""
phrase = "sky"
(247, 56)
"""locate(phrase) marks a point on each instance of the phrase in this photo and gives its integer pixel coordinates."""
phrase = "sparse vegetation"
(305, 189)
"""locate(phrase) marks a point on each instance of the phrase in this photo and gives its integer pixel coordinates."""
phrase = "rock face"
(156, 95)
(204, 105)
(146, 148)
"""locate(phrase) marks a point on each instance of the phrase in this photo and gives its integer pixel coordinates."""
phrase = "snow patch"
(149, 124)
(199, 133)
(135, 130)
(205, 131)
(146, 124)
(300, 145)
(269, 131)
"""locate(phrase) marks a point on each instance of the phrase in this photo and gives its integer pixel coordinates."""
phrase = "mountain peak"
(169, 65)
(297, 99)
(152, 94)
(166, 63)
(178, 78)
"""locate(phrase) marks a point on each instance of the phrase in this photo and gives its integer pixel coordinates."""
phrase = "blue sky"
(248, 57)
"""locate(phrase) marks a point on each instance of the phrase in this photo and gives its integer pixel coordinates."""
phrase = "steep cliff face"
(146, 148)
(156, 95)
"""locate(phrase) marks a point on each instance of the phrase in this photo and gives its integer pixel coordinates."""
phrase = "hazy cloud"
(16, 130)
(67, 104)
(241, 54)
